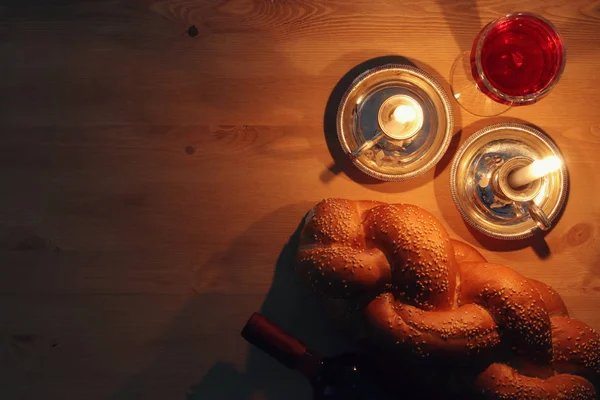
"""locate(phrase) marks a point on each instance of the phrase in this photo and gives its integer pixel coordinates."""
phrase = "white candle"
(533, 171)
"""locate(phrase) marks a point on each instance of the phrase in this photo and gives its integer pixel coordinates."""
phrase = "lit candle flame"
(533, 171)
(405, 113)
(400, 117)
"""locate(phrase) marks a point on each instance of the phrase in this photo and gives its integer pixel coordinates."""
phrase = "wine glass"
(515, 60)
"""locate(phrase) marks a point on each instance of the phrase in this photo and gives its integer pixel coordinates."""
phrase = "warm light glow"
(405, 113)
(545, 166)
(400, 117)
(534, 171)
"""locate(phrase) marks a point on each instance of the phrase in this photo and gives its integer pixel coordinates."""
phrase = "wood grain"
(150, 180)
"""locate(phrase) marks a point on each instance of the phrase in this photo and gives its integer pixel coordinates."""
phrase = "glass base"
(465, 91)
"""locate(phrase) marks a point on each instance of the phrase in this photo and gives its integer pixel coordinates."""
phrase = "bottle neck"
(280, 345)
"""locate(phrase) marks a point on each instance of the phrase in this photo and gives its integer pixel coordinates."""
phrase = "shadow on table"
(454, 14)
(294, 308)
(288, 303)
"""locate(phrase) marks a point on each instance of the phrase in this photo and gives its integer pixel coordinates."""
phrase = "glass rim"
(532, 97)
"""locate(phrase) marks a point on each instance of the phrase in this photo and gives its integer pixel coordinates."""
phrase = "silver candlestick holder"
(395, 122)
(480, 181)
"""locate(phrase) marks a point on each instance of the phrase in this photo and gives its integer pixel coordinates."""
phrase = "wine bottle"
(347, 376)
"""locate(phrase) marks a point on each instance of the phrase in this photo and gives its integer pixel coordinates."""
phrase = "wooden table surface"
(156, 157)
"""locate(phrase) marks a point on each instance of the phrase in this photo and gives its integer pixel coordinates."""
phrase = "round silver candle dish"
(478, 182)
(395, 122)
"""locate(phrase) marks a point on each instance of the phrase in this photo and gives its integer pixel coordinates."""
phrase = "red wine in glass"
(517, 59)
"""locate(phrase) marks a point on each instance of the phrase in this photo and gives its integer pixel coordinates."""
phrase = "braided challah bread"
(425, 295)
